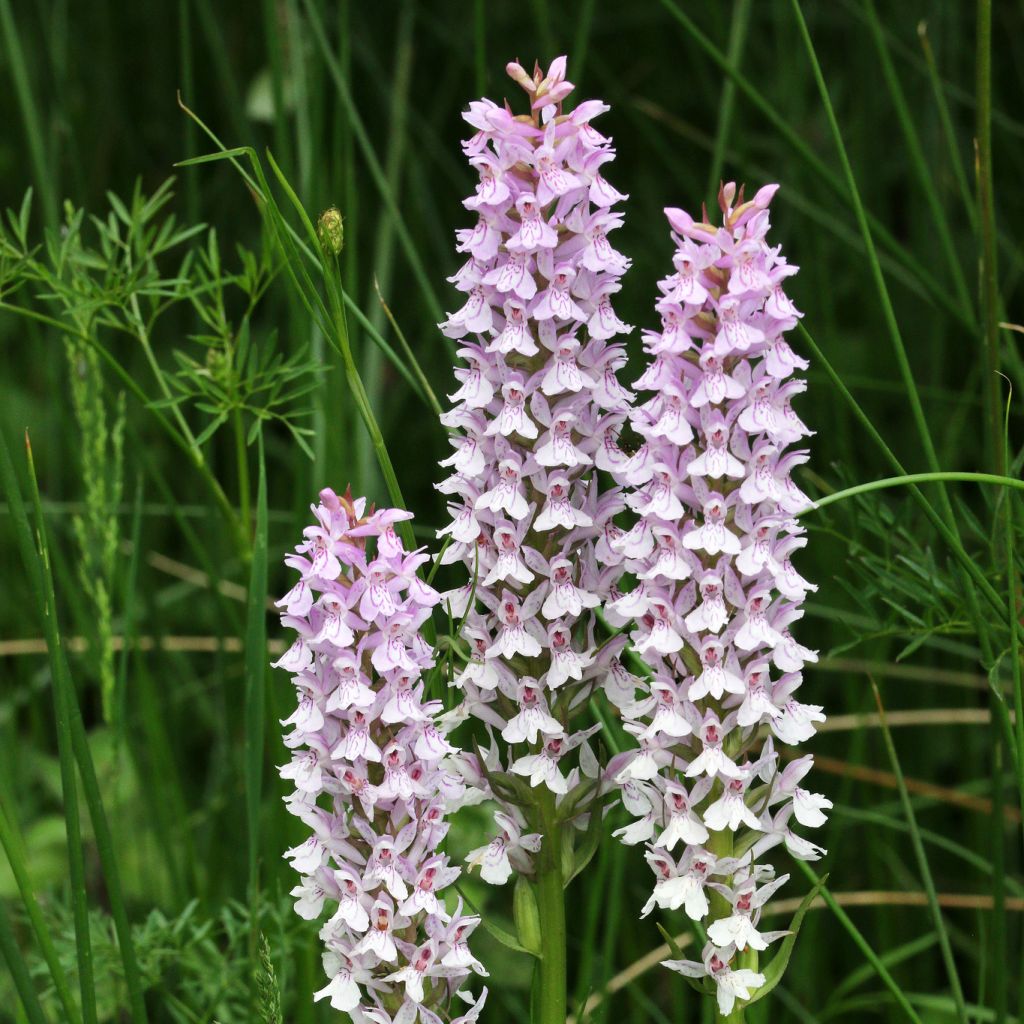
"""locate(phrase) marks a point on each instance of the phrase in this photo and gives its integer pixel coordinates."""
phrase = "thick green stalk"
(552, 1000)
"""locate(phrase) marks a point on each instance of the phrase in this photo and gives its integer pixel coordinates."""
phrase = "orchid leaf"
(774, 971)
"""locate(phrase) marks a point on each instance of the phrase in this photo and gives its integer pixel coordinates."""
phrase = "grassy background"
(152, 547)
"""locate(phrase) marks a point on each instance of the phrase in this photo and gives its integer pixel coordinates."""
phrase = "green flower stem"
(552, 1000)
(719, 845)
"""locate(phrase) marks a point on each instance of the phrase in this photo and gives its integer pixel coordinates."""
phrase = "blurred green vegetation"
(150, 332)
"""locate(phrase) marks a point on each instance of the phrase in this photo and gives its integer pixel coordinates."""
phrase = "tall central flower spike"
(370, 772)
(717, 592)
(533, 424)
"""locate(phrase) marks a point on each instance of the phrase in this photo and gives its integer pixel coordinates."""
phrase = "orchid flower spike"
(717, 592)
(534, 422)
(372, 770)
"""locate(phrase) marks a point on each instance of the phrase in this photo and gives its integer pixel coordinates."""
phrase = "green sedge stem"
(987, 280)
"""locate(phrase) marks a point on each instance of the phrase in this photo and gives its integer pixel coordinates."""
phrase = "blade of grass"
(43, 170)
(917, 158)
(14, 848)
(377, 172)
(80, 743)
(60, 685)
(128, 614)
(19, 971)
(915, 478)
(738, 25)
(255, 698)
(922, 861)
(889, 313)
(946, 121)
(340, 336)
(424, 388)
(862, 944)
(953, 541)
(988, 286)
(383, 248)
(935, 839)
(806, 153)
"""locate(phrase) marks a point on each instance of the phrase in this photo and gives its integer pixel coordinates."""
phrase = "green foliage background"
(152, 362)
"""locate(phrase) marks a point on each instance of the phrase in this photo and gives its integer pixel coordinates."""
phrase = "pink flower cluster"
(716, 589)
(536, 416)
(370, 773)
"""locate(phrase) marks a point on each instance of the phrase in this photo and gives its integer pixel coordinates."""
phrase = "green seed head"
(331, 231)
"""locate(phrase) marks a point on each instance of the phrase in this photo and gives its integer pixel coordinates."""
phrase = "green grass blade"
(948, 131)
(80, 743)
(922, 862)
(14, 848)
(395, 166)
(42, 168)
(61, 685)
(803, 149)
(988, 282)
(739, 23)
(19, 971)
(128, 613)
(916, 478)
(953, 541)
(924, 176)
(412, 374)
(862, 944)
(255, 697)
(888, 312)
(377, 172)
